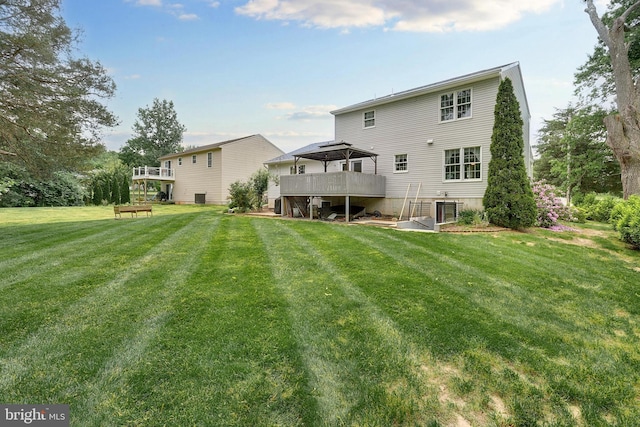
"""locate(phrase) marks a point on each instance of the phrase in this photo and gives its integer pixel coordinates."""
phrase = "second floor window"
(369, 119)
(455, 105)
(209, 160)
(193, 159)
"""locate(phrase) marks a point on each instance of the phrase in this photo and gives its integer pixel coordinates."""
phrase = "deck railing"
(333, 184)
(149, 172)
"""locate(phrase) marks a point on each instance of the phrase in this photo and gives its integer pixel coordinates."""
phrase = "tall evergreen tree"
(51, 114)
(508, 199)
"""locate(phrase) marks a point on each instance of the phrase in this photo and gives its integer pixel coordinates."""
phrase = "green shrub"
(578, 214)
(240, 196)
(625, 217)
(470, 217)
(598, 207)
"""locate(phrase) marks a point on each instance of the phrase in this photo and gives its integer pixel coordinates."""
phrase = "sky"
(235, 68)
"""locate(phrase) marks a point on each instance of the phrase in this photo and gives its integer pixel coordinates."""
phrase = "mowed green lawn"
(194, 317)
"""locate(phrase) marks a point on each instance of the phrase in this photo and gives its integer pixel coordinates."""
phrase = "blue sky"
(239, 67)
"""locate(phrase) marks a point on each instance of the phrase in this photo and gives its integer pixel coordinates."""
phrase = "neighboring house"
(204, 174)
(431, 144)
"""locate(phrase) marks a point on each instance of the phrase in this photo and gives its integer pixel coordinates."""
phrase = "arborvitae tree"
(106, 189)
(115, 189)
(508, 199)
(97, 193)
(125, 195)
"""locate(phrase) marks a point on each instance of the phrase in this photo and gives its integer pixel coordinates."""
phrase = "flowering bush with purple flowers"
(550, 207)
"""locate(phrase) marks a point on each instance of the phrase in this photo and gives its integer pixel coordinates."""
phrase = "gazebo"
(346, 183)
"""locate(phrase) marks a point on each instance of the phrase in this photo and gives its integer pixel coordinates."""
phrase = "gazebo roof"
(336, 151)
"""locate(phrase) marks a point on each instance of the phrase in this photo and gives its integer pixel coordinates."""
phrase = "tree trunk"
(623, 129)
(623, 136)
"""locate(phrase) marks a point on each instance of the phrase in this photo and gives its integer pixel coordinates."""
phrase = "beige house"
(204, 174)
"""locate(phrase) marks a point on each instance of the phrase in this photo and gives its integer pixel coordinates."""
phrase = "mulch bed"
(454, 228)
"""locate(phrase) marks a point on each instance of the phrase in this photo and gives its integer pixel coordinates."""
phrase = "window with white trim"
(472, 163)
(455, 105)
(462, 164)
(179, 161)
(209, 160)
(452, 164)
(400, 163)
(369, 119)
(194, 158)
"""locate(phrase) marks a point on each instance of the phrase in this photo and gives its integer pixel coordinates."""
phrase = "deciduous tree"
(157, 132)
(620, 74)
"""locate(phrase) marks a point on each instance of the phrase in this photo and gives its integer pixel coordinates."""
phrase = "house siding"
(192, 179)
(241, 159)
(232, 161)
(405, 126)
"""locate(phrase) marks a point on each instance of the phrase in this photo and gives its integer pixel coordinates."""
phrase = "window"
(472, 163)
(369, 119)
(446, 212)
(400, 163)
(452, 164)
(462, 159)
(356, 166)
(292, 169)
(179, 161)
(446, 107)
(455, 105)
(209, 160)
(464, 103)
(194, 158)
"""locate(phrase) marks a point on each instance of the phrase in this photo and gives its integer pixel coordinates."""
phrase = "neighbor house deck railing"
(157, 173)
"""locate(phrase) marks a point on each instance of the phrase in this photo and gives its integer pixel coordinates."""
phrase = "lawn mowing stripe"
(46, 349)
(92, 240)
(226, 356)
(54, 283)
(534, 324)
(104, 395)
(328, 314)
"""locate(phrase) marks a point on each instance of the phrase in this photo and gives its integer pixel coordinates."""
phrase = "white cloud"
(132, 77)
(312, 112)
(175, 9)
(157, 3)
(401, 15)
(280, 106)
(188, 17)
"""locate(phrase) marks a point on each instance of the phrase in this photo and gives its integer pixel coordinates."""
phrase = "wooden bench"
(134, 209)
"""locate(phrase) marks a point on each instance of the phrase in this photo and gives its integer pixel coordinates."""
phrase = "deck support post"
(346, 208)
